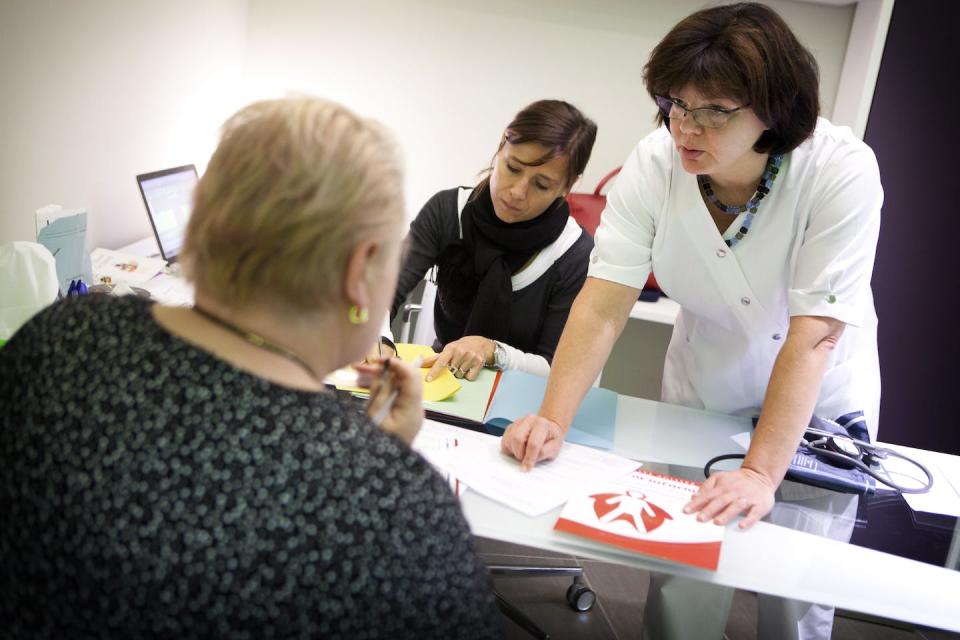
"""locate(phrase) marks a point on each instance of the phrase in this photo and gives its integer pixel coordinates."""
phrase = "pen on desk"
(381, 413)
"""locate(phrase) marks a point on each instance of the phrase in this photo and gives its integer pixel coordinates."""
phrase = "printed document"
(114, 266)
(478, 462)
(643, 512)
(943, 497)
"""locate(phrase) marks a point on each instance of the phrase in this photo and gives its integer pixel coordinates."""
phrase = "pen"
(379, 416)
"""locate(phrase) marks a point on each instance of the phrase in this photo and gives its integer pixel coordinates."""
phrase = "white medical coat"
(810, 251)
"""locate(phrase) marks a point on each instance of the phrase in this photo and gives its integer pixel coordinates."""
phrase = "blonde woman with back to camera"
(220, 489)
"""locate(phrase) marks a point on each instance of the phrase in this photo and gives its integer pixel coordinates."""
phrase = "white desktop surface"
(664, 310)
(146, 247)
(166, 287)
(766, 558)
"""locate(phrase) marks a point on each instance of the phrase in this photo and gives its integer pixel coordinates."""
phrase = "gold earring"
(358, 316)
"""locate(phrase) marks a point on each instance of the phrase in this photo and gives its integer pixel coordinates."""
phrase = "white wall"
(95, 92)
(861, 64)
(448, 75)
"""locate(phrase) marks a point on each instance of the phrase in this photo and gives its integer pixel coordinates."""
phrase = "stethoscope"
(847, 452)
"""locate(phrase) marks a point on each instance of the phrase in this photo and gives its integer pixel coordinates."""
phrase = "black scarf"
(475, 273)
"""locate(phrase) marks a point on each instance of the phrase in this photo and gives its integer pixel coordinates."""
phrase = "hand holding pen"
(396, 397)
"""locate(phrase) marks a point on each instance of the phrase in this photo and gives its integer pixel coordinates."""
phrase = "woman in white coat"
(761, 220)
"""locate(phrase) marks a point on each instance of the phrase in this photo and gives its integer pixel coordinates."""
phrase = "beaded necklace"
(257, 340)
(766, 181)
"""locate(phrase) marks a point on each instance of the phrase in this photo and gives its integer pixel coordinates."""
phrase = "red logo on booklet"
(627, 506)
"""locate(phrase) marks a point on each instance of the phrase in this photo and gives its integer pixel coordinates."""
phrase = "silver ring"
(459, 373)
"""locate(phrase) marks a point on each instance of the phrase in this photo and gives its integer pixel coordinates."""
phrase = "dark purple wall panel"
(914, 128)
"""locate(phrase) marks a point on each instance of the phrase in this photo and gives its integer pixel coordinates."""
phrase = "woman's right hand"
(405, 416)
(532, 439)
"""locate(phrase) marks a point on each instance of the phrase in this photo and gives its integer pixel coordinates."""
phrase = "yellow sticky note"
(441, 387)
(409, 352)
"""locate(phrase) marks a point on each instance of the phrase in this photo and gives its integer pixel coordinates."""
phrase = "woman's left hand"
(726, 494)
(465, 358)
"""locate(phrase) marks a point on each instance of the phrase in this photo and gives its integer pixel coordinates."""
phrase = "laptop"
(168, 196)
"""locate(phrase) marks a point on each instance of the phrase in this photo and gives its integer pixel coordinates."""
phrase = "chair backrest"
(416, 318)
(424, 332)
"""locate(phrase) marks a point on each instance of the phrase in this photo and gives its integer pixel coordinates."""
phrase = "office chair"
(580, 597)
(419, 316)
(416, 325)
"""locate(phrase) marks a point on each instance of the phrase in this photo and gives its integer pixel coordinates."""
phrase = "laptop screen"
(168, 196)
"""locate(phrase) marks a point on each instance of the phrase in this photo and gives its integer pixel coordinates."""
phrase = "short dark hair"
(744, 52)
(560, 127)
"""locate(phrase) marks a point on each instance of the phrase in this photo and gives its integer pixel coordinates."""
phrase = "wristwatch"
(499, 356)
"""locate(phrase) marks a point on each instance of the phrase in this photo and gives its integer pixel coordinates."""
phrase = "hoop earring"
(357, 316)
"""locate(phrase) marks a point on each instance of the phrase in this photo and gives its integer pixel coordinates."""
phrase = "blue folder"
(520, 393)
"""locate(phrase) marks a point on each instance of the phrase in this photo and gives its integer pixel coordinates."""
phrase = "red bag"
(587, 207)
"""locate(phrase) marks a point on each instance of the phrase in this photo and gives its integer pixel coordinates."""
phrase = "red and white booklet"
(644, 513)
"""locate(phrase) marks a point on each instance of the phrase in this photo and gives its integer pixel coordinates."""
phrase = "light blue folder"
(65, 238)
(520, 393)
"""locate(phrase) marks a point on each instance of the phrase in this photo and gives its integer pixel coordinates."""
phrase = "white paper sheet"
(436, 440)
(742, 439)
(124, 267)
(170, 290)
(944, 495)
(477, 461)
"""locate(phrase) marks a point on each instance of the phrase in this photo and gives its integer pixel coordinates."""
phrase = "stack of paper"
(439, 390)
(436, 441)
(479, 463)
(643, 512)
(111, 267)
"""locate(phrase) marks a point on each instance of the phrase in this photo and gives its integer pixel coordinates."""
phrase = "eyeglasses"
(709, 117)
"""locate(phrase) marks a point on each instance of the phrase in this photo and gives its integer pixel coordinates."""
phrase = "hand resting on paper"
(726, 494)
(465, 358)
(532, 439)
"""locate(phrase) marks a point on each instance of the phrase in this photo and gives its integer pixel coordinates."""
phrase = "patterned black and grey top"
(149, 489)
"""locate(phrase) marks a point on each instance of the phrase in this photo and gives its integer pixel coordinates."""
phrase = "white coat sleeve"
(623, 241)
(835, 260)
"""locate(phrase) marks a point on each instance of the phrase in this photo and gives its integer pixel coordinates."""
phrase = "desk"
(766, 558)
(664, 310)
(166, 287)
(146, 247)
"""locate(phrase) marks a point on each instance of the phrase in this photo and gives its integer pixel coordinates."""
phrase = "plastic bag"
(28, 283)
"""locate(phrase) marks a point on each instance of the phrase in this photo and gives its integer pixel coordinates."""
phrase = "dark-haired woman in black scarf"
(510, 259)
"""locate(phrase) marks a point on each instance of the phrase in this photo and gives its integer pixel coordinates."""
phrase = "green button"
(831, 298)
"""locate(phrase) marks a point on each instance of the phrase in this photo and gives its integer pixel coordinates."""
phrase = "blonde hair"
(292, 188)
